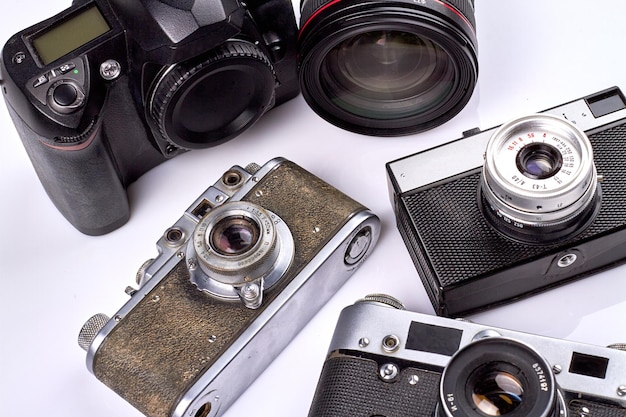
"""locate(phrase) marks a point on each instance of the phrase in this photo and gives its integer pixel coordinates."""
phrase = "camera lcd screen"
(588, 365)
(70, 34)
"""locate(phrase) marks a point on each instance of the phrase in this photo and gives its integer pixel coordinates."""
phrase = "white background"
(533, 55)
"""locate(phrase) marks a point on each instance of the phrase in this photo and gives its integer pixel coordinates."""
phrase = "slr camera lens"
(496, 377)
(539, 182)
(239, 244)
(387, 68)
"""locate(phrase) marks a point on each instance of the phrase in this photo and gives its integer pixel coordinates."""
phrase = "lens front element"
(387, 74)
(539, 161)
(234, 235)
(387, 69)
(496, 392)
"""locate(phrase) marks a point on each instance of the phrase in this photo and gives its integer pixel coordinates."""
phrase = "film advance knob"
(90, 329)
(383, 299)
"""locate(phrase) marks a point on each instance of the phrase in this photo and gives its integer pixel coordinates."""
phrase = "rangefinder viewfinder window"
(70, 34)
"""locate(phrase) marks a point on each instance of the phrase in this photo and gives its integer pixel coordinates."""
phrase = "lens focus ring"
(539, 174)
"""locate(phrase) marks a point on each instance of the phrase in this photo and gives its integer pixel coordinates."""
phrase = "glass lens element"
(234, 235)
(497, 393)
(539, 161)
(387, 74)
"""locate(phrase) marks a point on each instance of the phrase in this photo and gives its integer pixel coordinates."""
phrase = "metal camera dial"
(239, 250)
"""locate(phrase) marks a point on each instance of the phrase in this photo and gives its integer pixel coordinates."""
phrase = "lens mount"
(387, 69)
(539, 183)
(208, 100)
(497, 376)
(238, 243)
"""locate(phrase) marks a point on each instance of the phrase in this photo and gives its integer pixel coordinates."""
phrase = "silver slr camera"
(386, 361)
(510, 211)
(237, 276)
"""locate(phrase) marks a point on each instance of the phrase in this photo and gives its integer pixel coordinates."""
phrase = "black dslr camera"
(514, 210)
(108, 89)
(386, 362)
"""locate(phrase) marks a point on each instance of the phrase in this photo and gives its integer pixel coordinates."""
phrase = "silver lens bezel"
(539, 202)
(219, 274)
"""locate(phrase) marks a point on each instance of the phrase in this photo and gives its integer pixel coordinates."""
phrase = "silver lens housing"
(524, 201)
(266, 259)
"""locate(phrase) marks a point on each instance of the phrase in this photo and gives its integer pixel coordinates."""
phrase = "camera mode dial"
(206, 101)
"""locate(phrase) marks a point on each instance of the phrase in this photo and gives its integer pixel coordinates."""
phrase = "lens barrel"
(387, 68)
(539, 183)
(495, 377)
(235, 244)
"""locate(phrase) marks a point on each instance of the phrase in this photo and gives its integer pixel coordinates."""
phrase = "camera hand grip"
(81, 180)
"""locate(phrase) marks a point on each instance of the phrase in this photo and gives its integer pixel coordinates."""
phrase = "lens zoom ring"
(465, 7)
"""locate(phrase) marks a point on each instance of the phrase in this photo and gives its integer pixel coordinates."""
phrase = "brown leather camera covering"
(162, 346)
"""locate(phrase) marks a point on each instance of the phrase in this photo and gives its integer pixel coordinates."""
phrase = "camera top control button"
(65, 68)
(65, 94)
(41, 80)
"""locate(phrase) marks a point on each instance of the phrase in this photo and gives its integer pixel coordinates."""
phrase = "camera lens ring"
(267, 253)
(364, 110)
(212, 98)
(538, 206)
(516, 369)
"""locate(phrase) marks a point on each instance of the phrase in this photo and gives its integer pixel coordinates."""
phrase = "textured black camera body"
(470, 255)
(106, 90)
(237, 276)
(383, 361)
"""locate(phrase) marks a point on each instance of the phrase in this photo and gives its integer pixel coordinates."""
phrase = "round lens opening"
(387, 74)
(539, 161)
(497, 393)
(234, 235)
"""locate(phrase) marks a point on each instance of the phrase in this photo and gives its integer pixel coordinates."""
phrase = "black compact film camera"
(388, 362)
(108, 89)
(514, 210)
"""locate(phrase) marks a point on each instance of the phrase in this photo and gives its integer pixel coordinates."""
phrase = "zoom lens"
(387, 69)
(497, 377)
(539, 183)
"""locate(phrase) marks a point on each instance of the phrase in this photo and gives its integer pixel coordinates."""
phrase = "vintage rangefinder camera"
(107, 89)
(384, 361)
(237, 276)
(514, 210)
